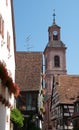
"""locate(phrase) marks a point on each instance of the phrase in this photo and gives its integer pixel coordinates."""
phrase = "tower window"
(49, 36)
(55, 37)
(56, 61)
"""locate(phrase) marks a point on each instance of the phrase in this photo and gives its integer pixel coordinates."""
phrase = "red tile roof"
(28, 70)
(67, 88)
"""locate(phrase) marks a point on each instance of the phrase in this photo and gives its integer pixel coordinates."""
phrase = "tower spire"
(54, 17)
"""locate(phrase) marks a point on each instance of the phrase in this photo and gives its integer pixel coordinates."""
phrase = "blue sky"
(32, 19)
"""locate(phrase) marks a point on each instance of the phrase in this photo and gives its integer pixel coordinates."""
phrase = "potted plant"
(16, 117)
(6, 80)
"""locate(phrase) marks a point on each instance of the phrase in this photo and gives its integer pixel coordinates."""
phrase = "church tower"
(55, 51)
(55, 63)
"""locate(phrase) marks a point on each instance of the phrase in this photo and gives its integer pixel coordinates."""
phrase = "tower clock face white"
(55, 32)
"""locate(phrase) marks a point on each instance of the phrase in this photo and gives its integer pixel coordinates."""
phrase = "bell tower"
(55, 63)
(55, 51)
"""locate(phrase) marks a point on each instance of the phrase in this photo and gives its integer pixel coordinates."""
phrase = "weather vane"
(54, 16)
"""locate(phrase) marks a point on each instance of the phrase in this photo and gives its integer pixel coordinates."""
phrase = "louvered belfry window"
(56, 61)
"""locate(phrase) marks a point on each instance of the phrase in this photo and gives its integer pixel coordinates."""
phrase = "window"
(66, 122)
(77, 107)
(1, 26)
(8, 41)
(56, 61)
(61, 122)
(0, 23)
(31, 101)
(45, 85)
(6, 2)
(55, 37)
(49, 36)
(66, 110)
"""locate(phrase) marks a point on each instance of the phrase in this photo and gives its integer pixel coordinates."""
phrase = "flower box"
(7, 81)
(3, 73)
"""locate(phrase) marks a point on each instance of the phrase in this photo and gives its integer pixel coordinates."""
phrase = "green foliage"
(16, 117)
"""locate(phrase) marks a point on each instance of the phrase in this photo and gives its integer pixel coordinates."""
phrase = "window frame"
(56, 61)
(31, 101)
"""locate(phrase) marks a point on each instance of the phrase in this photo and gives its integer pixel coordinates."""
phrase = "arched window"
(56, 61)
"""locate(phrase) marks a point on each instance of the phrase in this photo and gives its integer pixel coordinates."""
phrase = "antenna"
(28, 46)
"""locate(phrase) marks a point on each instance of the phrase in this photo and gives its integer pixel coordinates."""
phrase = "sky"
(32, 19)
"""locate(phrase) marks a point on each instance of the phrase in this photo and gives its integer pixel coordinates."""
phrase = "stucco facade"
(7, 57)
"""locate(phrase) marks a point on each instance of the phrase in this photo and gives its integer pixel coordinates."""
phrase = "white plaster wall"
(2, 117)
(5, 11)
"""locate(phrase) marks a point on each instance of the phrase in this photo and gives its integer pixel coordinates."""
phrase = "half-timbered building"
(65, 91)
(28, 76)
(75, 116)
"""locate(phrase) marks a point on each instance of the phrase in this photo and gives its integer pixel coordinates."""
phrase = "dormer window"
(56, 61)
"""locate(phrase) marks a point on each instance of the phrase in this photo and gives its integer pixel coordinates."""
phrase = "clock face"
(55, 32)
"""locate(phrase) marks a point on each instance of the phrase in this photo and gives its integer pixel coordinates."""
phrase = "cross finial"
(54, 16)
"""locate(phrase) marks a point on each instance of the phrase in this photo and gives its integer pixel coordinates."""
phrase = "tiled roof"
(67, 88)
(28, 70)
